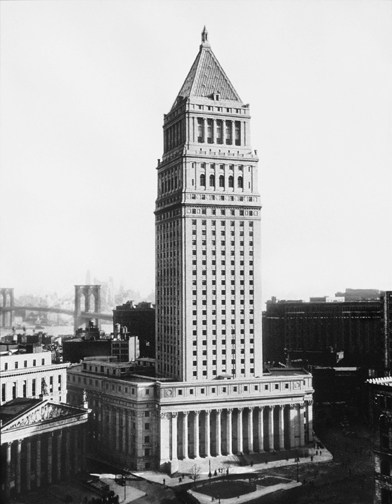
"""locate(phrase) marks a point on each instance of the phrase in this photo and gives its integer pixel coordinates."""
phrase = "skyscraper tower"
(208, 286)
(210, 397)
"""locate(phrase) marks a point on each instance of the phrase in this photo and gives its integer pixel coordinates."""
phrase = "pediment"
(43, 412)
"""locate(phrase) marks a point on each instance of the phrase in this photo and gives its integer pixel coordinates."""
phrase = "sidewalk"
(239, 465)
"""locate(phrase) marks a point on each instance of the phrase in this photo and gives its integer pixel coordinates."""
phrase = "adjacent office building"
(323, 331)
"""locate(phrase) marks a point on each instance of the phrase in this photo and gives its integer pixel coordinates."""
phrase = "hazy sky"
(85, 84)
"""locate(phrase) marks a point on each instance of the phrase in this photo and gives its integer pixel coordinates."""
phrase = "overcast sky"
(85, 84)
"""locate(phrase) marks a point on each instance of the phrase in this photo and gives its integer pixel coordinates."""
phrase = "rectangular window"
(200, 130)
(210, 131)
(219, 132)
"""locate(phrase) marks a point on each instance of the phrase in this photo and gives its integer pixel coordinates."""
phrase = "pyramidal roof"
(207, 76)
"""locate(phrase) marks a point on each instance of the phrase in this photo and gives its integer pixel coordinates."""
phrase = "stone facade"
(30, 375)
(141, 423)
(41, 442)
(210, 396)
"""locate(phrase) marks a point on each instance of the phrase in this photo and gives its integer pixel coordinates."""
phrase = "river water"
(61, 330)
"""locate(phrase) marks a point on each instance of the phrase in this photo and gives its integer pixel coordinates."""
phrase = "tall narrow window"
(200, 130)
(210, 131)
(240, 182)
(219, 132)
(202, 180)
(229, 133)
(221, 181)
(212, 180)
(237, 132)
(231, 181)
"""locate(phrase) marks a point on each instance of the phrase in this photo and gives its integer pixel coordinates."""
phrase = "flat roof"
(14, 408)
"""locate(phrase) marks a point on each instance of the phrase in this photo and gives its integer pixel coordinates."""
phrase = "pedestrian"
(251, 463)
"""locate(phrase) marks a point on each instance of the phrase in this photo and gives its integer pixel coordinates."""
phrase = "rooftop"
(16, 407)
(206, 77)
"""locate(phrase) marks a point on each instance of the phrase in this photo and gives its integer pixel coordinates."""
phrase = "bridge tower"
(7, 301)
(87, 300)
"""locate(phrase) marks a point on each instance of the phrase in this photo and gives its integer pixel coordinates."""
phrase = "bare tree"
(195, 472)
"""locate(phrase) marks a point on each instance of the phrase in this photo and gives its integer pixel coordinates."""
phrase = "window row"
(221, 181)
(218, 131)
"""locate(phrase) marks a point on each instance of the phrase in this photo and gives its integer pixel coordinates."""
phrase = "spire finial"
(204, 38)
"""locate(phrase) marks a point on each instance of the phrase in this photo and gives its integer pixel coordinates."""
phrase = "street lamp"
(297, 459)
(209, 470)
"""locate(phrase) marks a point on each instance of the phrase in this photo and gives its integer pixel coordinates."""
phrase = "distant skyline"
(84, 86)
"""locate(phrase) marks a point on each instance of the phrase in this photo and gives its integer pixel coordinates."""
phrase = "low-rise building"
(380, 403)
(137, 320)
(28, 375)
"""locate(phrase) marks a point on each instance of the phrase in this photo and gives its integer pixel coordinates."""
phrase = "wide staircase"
(225, 463)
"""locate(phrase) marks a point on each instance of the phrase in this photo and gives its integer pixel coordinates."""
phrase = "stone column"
(38, 463)
(130, 448)
(208, 433)
(67, 452)
(18, 463)
(218, 432)
(185, 434)
(50, 457)
(196, 435)
(117, 427)
(8, 470)
(271, 428)
(301, 408)
(164, 438)
(28, 464)
(84, 447)
(240, 445)
(110, 438)
(260, 429)
(101, 421)
(76, 450)
(281, 427)
(124, 431)
(310, 420)
(58, 455)
(250, 430)
(293, 414)
(174, 436)
(229, 431)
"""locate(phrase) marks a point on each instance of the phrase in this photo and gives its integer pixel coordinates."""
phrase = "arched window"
(202, 180)
(385, 469)
(240, 182)
(221, 181)
(212, 180)
(231, 181)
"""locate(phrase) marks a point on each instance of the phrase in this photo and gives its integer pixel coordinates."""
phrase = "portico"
(41, 442)
(216, 431)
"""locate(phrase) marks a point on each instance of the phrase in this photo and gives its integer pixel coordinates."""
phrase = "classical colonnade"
(42, 459)
(235, 430)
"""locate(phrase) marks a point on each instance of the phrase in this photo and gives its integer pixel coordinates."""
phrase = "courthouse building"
(42, 438)
(211, 396)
